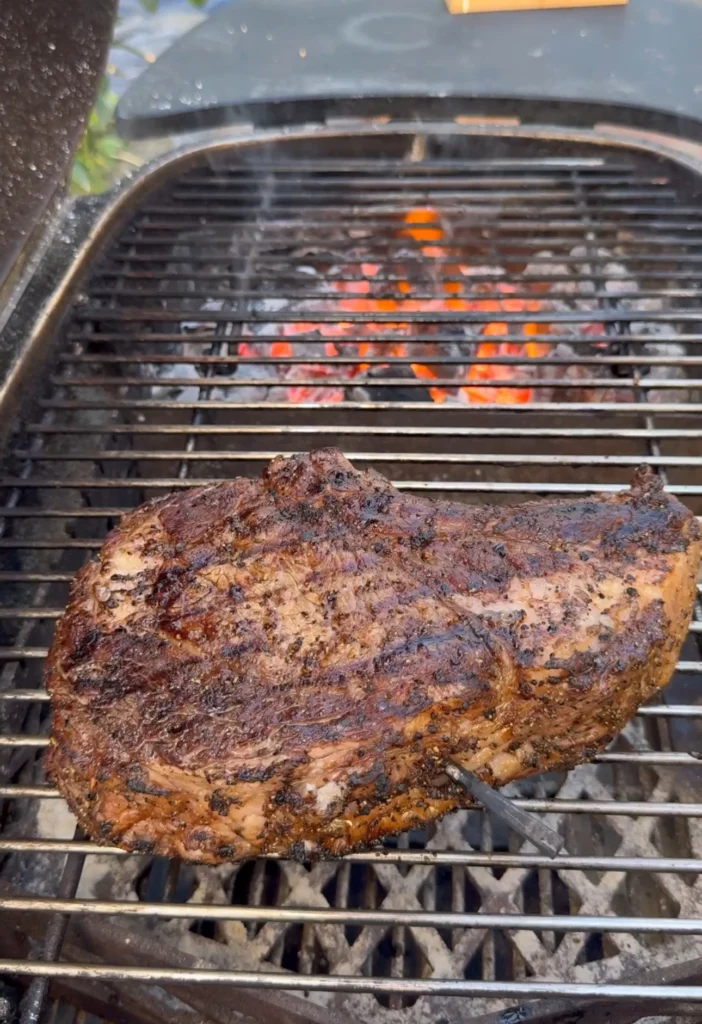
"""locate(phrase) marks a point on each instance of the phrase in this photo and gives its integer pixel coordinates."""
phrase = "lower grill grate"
(483, 329)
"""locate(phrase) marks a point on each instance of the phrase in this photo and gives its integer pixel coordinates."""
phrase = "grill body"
(205, 339)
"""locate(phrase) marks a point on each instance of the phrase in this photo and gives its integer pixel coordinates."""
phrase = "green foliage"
(99, 151)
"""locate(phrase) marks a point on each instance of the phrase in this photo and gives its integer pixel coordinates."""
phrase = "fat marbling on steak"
(283, 666)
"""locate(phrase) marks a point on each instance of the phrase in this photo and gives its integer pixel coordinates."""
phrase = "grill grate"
(208, 341)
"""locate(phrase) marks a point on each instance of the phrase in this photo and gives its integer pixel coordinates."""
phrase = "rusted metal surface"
(109, 942)
(561, 1012)
(117, 1003)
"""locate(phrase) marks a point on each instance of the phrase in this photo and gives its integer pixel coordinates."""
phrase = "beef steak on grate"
(283, 665)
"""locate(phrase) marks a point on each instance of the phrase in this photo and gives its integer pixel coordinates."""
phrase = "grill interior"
(208, 340)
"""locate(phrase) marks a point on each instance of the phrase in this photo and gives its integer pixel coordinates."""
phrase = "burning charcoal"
(267, 304)
(179, 371)
(199, 327)
(618, 280)
(673, 351)
(563, 369)
(651, 327)
(289, 390)
(373, 388)
(548, 270)
(255, 393)
(481, 270)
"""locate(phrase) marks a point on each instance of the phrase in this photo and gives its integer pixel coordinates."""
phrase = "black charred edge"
(136, 782)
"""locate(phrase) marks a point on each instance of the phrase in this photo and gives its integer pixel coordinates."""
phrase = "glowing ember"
(423, 215)
(426, 373)
(305, 392)
(365, 293)
(494, 371)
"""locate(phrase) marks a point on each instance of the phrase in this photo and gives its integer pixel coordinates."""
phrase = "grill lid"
(51, 55)
(273, 62)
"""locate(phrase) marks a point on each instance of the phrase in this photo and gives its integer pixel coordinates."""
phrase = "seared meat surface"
(284, 665)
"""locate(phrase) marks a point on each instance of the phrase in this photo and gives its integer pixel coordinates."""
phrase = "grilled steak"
(283, 665)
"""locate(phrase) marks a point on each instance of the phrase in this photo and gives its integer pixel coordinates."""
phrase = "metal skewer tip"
(529, 827)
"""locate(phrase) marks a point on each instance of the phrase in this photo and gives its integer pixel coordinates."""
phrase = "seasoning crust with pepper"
(284, 665)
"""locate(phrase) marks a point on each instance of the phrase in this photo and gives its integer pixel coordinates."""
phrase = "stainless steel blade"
(521, 821)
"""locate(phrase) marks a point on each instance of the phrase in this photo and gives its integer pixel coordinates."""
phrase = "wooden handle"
(478, 6)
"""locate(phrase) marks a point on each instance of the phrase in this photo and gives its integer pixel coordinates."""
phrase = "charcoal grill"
(186, 328)
(148, 392)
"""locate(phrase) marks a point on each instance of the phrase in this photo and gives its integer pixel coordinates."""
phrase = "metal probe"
(529, 827)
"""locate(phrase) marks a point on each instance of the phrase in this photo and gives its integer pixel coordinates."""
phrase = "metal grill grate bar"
(287, 276)
(665, 758)
(322, 983)
(91, 313)
(630, 461)
(342, 430)
(217, 405)
(175, 483)
(384, 361)
(294, 295)
(414, 919)
(388, 382)
(474, 858)
(611, 808)
(416, 262)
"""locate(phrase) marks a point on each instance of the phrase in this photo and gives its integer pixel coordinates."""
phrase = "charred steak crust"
(282, 666)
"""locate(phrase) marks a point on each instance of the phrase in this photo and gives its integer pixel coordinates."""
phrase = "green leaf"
(122, 44)
(198, 3)
(150, 5)
(109, 146)
(80, 178)
(104, 109)
(100, 153)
